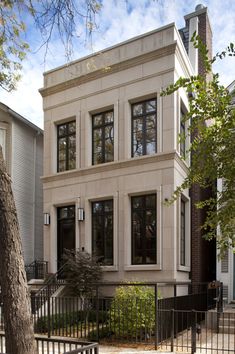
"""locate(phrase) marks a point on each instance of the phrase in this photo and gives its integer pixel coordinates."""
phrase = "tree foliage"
(132, 311)
(51, 17)
(211, 119)
(81, 271)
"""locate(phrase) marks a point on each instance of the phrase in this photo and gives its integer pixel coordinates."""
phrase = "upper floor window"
(102, 231)
(182, 233)
(3, 141)
(66, 146)
(144, 238)
(102, 138)
(182, 133)
(144, 128)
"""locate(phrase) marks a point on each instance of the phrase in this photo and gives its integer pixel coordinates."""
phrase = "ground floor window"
(102, 231)
(144, 236)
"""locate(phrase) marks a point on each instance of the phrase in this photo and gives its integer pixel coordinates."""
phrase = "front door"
(66, 231)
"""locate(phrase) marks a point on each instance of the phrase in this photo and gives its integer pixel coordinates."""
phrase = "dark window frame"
(182, 232)
(182, 131)
(103, 214)
(102, 126)
(143, 116)
(66, 136)
(143, 236)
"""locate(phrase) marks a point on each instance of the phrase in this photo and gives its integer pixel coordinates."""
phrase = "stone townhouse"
(112, 156)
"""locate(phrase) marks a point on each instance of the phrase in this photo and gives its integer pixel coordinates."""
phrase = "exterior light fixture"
(46, 218)
(81, 214)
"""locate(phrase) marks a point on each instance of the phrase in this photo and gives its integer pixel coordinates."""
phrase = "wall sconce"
(81, 214)
(46, 218)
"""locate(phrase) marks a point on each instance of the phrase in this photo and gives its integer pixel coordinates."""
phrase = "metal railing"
(196, 332)
(157, 318)
(58, 346)
(36, 270)
(42, 296)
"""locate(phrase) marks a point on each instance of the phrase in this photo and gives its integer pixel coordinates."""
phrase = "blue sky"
(118, 21)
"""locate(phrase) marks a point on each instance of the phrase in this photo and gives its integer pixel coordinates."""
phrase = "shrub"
(132, 312)
(104, 332)
(69, 319)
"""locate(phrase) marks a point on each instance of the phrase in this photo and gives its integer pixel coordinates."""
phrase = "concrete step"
(227, 329)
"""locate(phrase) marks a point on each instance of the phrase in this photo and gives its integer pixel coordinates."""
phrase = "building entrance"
(66, 231)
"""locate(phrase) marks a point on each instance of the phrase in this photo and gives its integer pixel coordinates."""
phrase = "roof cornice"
(141, 59)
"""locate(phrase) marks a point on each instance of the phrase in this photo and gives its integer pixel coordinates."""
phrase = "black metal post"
(172, 329)
(97, 314)
(156, 315)
(48, 311)
(194, 331)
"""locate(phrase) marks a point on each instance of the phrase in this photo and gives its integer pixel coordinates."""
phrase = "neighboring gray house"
(22, 144)
(226, 266)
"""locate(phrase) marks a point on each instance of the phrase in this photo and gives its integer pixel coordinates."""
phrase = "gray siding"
(24, 169)
(38, 239)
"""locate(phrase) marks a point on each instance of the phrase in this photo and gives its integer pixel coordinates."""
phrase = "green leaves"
(12, 48)
(211, 120)
(132, 311)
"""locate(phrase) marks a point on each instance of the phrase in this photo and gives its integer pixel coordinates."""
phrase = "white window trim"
(127, 230)
(187, 267)
(88, 227)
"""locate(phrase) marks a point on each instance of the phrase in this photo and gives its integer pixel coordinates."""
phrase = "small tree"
(81, 271)
(132, 311)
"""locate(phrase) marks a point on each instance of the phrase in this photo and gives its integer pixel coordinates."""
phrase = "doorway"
(65, 232)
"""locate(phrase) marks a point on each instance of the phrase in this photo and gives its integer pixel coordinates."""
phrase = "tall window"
(66, 146)
(102, 138)
(102, 231)
(182, 233)
(144, 240)
(3, 141)
(144, 128)
(182, 133)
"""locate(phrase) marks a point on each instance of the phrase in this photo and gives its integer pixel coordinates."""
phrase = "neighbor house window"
(182, 133)
(182, 232)
(3, 141)
(144, 128)
(102, 138)
(102, 231)
(144, 238)
(66, 146)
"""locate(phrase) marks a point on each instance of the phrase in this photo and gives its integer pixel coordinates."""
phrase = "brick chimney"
(203, 253)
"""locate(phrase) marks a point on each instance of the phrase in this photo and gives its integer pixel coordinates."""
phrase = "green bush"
(132, 312)
(64, 320)
(104, 332)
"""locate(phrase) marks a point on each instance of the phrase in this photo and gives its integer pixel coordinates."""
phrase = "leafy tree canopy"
(50, 17)
(211, 120)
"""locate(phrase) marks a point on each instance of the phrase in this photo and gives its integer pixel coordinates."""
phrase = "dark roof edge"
(21, 118)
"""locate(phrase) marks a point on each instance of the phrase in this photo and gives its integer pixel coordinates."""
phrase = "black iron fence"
(157, 314)
(58, 346)
(197, 332)
(36, 270)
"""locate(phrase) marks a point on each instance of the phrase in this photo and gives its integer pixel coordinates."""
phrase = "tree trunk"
(16, 306)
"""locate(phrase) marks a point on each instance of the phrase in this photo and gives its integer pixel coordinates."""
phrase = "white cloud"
(120, 21)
